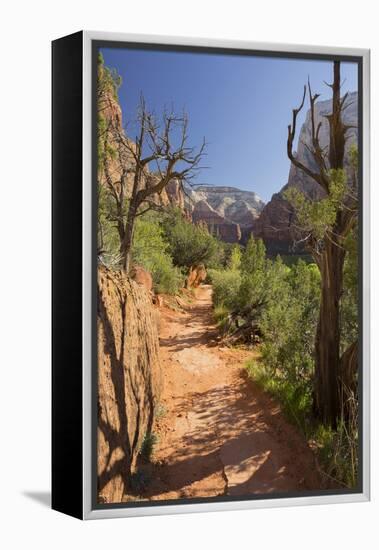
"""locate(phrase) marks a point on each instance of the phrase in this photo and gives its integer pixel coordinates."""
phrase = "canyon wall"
(275, 223)
(121, 162)
(129, 378)
(227, 211)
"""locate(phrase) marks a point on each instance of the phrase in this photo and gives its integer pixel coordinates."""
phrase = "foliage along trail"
(219, 434)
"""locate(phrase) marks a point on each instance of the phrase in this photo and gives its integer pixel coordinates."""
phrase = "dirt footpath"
(218, 433)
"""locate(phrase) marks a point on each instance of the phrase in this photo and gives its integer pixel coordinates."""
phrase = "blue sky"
(241, 105)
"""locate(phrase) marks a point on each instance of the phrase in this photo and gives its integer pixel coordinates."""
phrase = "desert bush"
(167, 278)
(147, 446)
(234, 258)
(286, 369)
(254, 257)
(190, 244)
(151, 251)
(149, 248)
(226, 285)
(254, 275)
(243, 281)
(290, 298)
(221, 314)
(295, 399)
(338, 449)
(289, 321)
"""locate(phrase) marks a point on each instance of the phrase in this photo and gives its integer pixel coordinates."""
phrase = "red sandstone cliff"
(129, 378)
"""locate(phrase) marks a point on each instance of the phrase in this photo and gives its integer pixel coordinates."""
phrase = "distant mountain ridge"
(234, 204)
(227, 211)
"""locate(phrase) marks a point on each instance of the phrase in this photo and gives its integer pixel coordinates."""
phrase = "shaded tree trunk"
(126, 243)
(327, 345)
(328, 391)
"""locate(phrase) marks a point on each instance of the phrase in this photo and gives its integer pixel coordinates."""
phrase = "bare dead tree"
(159, 154)
(329, 254)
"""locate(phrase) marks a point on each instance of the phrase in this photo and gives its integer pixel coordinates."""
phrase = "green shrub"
(147, 446)
(167, 279)
(295, 399)
(338, 452)
(235, 258)
(254, 257)
(150, 250)
(220, 314)
(226, 286)
(289, 321)
(190, 244)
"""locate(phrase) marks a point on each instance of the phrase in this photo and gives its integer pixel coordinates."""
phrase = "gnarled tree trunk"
(328, 252)
(327, 345)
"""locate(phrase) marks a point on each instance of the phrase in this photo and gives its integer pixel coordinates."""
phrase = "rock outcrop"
(175, 194)
(236, 205)
(142, 277)
(196, 276)
(129, 378)
(217, 225)
(122, 162)
(274, 224)
(228, 212)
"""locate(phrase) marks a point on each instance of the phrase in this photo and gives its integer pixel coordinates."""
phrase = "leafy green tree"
(254, 257)
(149, 240)
(226, 285)
(189, 244)
(234, 262)
(253, 288)
(317, 218)
(248, 292)
(289, 322)
(151, 251)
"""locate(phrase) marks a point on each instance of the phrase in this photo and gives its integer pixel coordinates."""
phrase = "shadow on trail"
(197, 339)
(224, 436)
(232, 435)
(198, 329)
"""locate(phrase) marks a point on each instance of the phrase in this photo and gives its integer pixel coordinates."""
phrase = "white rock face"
(274, 223)
(235, 205)
(296, 176)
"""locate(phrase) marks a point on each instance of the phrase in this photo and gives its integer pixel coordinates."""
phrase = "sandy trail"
(219, 434)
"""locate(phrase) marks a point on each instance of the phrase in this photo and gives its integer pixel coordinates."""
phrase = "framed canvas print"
(210, 275)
